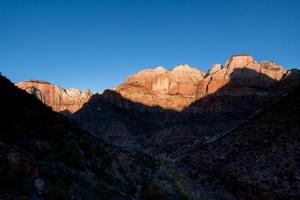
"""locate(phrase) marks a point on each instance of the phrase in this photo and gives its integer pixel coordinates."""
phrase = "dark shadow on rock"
(66, 113)
(120, 121)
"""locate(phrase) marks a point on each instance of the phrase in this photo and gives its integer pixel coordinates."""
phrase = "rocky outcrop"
(178, 88)
(59, 99)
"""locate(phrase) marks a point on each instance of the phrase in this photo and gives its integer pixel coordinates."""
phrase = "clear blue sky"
(97, 44)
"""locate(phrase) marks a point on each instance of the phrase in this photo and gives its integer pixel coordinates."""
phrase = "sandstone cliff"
(59, 99)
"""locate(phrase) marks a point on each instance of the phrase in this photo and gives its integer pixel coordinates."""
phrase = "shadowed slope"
(260, 160)
(120, 121)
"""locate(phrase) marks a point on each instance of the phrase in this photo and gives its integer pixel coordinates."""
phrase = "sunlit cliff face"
(59, 99)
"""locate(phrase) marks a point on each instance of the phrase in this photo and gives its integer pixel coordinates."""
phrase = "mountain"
(45, 156)
(178, 88)
(144, 112)
(60, 100)
(259, 160)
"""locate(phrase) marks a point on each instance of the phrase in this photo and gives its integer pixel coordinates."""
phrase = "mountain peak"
(160, 69)
(153, 71)
(183, 67)
(214, 69)
(239, 60)
(187, 69)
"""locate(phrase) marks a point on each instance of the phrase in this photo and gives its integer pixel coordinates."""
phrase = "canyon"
(228, 133)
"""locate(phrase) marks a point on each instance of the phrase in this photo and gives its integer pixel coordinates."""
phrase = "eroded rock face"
(59, 99)
(178, 88)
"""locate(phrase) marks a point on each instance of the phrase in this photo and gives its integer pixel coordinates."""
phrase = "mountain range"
(175, 89)
(229, 133)
(159, 110)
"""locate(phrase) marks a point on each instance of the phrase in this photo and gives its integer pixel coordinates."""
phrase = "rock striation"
(59, 99)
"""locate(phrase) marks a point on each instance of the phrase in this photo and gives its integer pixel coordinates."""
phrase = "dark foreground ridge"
(44, 156)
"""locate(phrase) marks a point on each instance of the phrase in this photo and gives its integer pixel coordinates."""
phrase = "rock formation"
(59, 99)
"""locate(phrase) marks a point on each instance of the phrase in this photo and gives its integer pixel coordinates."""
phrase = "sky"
(97, 44)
